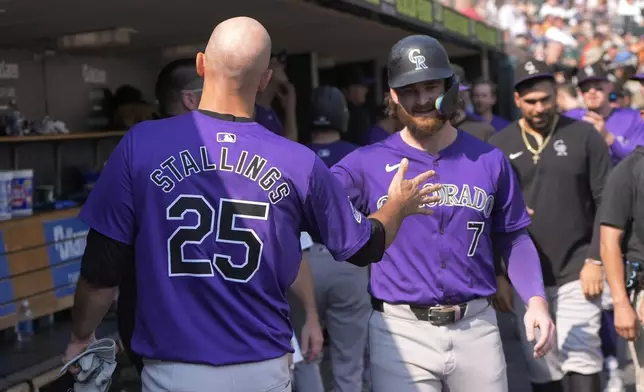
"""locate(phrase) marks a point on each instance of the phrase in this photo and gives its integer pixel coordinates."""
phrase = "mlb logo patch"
(223, 137)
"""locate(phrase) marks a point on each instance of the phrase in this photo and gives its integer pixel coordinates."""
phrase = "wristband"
(593, 262)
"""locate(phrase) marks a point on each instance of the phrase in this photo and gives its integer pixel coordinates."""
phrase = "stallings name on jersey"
(458, 196)
(255, 168)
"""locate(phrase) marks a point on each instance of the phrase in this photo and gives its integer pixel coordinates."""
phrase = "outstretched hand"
(411, 194)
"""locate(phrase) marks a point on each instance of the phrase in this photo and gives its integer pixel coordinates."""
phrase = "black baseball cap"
(590, 73)
(532, 69)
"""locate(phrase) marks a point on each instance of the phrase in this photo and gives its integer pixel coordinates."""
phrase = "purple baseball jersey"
(214, 209)
(267, 118)
(445, 258)
(331, 153)
(625, 124)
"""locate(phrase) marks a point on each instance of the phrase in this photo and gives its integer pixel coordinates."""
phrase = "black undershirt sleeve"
(374, 249)
(105, 260)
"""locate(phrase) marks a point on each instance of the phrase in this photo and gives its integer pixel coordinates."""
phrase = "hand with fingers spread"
(411, 194)
(538, 317)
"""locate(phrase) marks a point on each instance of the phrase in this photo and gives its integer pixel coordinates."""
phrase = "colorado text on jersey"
(458, 196)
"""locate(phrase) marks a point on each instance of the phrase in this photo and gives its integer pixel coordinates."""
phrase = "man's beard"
(541, 125)
(421, 126)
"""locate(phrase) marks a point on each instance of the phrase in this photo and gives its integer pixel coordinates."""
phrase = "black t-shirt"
(564, 189)
(623, 204)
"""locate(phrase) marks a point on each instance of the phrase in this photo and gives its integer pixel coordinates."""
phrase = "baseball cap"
(591, 73)
(532, 69)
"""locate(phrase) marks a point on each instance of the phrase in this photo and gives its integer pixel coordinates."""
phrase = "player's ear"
(394, 96)
(201, 64)
(266, 78)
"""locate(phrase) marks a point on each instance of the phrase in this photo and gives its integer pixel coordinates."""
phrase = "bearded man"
(432, 323)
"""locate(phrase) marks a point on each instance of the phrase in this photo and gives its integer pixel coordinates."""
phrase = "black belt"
(436, 315)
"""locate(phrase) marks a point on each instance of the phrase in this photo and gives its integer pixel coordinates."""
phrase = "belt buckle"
(441, 315)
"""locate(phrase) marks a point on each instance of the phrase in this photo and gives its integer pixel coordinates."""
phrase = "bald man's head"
(237, 56)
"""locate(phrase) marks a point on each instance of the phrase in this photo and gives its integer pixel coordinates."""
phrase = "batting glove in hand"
(538, 317)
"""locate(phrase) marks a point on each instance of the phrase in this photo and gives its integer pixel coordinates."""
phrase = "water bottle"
(25, 326)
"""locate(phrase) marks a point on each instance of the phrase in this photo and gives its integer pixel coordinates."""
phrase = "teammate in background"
(567, 98)
(340, 288)
(433, 324)
(211, 306)
(484, 99)
(279, 87)
(178, 88)
(355, 86)
(469, 122)
(622, 248)
(385, 126)
(622, 129)
(562, 165)
(178, 91)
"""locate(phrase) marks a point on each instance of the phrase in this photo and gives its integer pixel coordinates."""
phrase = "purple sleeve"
(524, 267)
(350, 178)
(509, 212)
(109, 209)
(330, 216)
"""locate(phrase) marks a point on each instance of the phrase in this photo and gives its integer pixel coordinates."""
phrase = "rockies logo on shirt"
(416, 58)
(560, 148)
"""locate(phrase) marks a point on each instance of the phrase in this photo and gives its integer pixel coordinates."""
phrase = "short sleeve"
(330, 216)
(617, 199)
(306, 242)
(109, 209)
(348, 173)
(509, 211)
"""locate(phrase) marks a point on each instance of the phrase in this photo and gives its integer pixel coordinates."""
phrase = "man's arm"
(303, 287)
(101, 272)
(109, 212)
(599, 167)
(614, 217)
(611, 253)
(524, 266)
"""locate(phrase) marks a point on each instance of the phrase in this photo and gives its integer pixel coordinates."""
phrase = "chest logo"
(515, 155)
(389, 168)
(560, 148)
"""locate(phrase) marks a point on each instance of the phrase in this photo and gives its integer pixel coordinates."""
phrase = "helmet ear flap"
(447, 104)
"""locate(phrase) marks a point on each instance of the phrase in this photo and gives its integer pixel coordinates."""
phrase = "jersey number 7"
(227, 233)
(477, 227)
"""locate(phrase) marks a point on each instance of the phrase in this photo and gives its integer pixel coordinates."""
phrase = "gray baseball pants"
(408, 355)
(267, 376)
(578, 321)
(344, 306)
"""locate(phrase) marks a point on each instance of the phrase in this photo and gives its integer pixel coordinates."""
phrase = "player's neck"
(325, 137)
(434, 143)
(221, 100)
(487, 115)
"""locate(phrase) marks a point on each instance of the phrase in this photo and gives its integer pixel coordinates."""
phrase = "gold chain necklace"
(536, 152)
